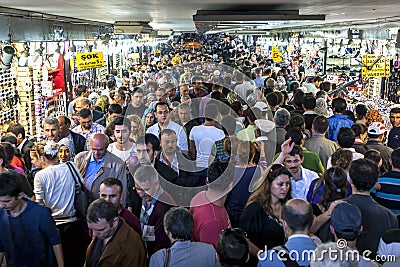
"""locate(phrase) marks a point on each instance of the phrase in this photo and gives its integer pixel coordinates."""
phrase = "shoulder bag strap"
(285, 257)
(167, 257)
(74, 174)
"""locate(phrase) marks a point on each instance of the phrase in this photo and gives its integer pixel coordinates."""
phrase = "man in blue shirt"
(28, 234)
(297, 217)
(338, 120)
(99, 164)
(394, 134)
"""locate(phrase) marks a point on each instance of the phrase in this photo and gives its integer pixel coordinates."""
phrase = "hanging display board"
(375, 66)
(89, 60)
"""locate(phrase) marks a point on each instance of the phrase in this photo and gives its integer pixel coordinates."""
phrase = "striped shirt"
(389, 194)
(96, 128)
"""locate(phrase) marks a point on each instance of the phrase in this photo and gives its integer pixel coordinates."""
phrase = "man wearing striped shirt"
(389, 193)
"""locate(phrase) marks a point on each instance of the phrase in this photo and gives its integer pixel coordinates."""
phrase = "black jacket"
(79, 142)
(25, 153)
(185, 178)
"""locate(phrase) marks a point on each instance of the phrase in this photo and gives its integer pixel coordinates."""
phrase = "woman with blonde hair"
(137, 127)
(373, 116)
(262, 214)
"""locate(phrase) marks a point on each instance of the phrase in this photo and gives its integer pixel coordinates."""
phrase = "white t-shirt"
(204, 138)
(179, 130)
(56, 186)
(122, 154)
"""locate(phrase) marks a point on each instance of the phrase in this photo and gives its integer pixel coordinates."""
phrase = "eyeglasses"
(234, 231)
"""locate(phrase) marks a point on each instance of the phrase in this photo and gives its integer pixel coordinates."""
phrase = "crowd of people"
(204, 160)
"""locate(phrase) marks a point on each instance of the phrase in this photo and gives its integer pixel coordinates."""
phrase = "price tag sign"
(89, 60)
(332, 78)
(276, 56)
(375, 66)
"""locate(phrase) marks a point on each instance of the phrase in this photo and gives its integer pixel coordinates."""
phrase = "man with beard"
(394, 134)
(147, 148)
(87, 127)
(292, 157)
(111, 191)
(176, 168)
(123, 147)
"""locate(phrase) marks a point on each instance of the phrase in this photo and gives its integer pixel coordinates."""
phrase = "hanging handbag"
(81, 201)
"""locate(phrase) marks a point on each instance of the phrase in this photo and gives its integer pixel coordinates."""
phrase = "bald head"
(298, 215)
(99, 143)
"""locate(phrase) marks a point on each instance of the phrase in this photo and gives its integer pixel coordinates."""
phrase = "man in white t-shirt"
(123, 147)
(202, 138)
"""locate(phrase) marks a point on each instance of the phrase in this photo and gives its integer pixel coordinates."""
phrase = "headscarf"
(321, 107)
(68, 143)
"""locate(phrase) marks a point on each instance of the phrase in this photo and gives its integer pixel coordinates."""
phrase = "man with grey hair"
(178, 225)
(155, 203)
(281, 120)
(51, 128)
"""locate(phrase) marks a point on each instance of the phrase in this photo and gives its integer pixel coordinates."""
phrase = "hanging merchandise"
(8, 97)
(27, 102)
(38, 98)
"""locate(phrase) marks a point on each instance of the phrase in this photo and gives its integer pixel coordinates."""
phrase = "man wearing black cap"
(346, 226)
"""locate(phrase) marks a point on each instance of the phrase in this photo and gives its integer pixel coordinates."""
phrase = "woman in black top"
(261, 217)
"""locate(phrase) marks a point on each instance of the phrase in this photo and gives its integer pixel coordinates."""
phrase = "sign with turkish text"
(276, 56)
(89, 60)
(375, 66)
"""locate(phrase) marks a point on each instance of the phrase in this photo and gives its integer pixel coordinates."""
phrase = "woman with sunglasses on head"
(261, 216)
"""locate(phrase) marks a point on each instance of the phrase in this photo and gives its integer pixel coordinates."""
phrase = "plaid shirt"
(96, 128)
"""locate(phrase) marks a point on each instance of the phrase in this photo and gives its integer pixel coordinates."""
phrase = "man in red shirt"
(207, 207)
(111, 191)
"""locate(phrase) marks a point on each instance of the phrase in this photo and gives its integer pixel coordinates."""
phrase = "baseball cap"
(261, 106)
(346, 218)
(376, 128)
